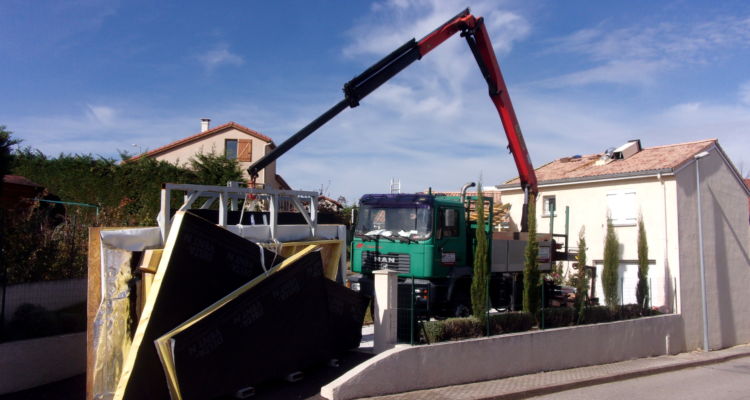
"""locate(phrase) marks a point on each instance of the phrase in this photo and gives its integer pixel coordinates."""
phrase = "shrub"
(557, 317)
(463, 328)
(611, 267)
(511, 322)
(597, 314)
(629, 311)
(480, 280)
(531, 284)
(641, 291)
(582, 282)
(433, 331)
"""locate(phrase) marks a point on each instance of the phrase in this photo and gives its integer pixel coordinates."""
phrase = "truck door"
(449, 243)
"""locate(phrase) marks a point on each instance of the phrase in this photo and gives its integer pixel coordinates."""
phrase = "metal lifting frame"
(229, 197)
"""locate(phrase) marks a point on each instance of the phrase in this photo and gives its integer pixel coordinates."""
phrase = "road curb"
(613, 378)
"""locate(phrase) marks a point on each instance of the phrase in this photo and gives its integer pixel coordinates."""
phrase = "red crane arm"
(475, 32)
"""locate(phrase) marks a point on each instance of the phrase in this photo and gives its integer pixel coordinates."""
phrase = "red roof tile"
(647, 160)
(201, 135)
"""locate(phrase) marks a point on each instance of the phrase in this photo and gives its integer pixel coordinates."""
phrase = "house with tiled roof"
(671, 188)
(232, 140)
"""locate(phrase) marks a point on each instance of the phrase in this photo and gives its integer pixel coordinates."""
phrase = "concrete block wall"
(30, 363)
(407, 368)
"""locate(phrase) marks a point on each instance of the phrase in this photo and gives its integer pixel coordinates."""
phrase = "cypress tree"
(611, 266)
(582, 283)
(480, 280)
(531, 286)
(641, 291)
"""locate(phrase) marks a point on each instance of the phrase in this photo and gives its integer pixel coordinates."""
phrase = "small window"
(549, 205)
(230, 149)
(622, 207)
(449, 222)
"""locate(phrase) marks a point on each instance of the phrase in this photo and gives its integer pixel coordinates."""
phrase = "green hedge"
(47, 241)
(471, 327)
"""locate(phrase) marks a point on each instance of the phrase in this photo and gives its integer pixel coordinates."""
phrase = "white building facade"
(658, 184)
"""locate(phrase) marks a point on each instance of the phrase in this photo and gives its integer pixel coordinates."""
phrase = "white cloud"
(654, 48)
(637, 72)
(218, 56)
(744, 93)
(394, 22)
(102, 114)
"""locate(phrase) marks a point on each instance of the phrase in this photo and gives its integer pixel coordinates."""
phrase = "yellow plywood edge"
(330, 253)
(129, 362)
(148, 267)
(164, 343)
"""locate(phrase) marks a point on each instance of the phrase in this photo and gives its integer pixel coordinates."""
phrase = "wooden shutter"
(245, 150)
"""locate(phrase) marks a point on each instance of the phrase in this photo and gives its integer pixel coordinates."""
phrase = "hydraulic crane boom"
(475, 33)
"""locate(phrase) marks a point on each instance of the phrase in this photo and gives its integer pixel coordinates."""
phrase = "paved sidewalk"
(520, 387)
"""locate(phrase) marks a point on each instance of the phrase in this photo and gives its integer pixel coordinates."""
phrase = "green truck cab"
(428, 239)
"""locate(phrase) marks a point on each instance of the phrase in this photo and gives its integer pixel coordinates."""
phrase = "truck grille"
(400, 262)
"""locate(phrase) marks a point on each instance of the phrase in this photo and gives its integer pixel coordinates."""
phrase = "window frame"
(443, 231)
(545, 205)
(625, 202)
(226, 148)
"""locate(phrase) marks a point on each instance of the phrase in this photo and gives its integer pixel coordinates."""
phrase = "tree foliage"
(41, 245)
(641, 291)
(210, 169)
(127, 193)
(5, 146)
(582, 282)
(531, 282)
(481, 278)
(611, 266)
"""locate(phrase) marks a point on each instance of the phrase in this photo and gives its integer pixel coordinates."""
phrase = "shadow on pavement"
(308, 388)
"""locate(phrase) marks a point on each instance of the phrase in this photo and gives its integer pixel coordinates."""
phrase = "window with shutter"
(245, 150)
(622, 207)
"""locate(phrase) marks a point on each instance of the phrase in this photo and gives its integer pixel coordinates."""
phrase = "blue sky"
(96, 77)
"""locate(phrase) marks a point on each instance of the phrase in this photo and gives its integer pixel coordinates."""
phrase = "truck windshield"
(410, 222)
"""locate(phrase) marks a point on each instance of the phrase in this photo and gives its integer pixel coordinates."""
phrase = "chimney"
(205, 123)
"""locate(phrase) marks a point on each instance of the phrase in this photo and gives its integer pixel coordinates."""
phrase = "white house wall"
(588, 208)
(726, 239)
(214, 143)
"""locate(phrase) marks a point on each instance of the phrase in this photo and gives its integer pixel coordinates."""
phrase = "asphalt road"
(729, 380)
